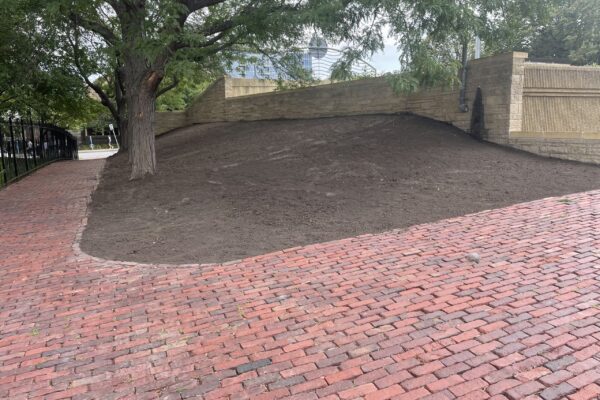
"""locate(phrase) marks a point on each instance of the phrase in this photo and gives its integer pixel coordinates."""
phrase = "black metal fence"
(25, 146)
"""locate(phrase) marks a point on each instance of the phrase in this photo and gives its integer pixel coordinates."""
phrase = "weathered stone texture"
(561, 112)
(167, 121)
(528, 106)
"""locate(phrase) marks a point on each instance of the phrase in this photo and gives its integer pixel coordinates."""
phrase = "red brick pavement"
(400, 315)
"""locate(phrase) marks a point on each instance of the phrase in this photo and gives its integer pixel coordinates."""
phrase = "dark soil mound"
(232, 190)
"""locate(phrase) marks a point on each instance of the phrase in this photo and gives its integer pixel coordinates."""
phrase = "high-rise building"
(263, 67)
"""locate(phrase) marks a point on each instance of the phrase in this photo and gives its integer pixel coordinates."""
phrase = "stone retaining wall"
(546, 109)
(561, 112)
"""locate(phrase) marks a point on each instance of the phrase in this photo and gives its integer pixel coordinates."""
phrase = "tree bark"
(124, 132)
(140, 78)
(138, 84)
(141, 107)
(121, 101)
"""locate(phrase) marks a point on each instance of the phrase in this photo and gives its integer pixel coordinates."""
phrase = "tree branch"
(116, 5)
(104, 98)
(170, 86)
(3, 101)
(220, 27)
(223, 46)
(195, 5)
(219, 31)
(94, 26)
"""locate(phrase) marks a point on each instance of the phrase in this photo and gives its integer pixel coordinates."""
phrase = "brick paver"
(401, 315)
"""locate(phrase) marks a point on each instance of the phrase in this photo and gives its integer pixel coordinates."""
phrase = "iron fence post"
(32, 140)
(12, 144)
(24, 145)
(56, 154)
(42, 151)
(4, 172)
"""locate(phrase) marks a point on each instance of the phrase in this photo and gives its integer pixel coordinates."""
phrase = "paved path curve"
(402, 315)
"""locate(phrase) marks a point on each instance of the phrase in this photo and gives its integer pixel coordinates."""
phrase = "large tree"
(138, 46)
(135, 43)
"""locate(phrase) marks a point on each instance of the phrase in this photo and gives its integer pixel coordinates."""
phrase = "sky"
(386, 60)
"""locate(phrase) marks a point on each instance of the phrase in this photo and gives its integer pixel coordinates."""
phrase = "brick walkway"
(403, 315)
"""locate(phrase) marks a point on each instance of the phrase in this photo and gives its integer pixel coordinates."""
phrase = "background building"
(261, 67)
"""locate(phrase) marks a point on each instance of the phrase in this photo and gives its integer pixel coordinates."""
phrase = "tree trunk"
(123, 130)
(140, 78)
(121, 101)
(141, 110)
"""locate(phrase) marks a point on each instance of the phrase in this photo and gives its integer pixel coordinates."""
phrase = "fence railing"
(25, 146)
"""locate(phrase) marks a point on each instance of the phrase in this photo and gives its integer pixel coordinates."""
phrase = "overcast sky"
(386, 60)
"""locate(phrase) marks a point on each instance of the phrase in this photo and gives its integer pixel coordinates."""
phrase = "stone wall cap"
(509, 55)
(542, 65)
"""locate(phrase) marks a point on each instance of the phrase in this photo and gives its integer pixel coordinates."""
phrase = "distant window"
(263, 72)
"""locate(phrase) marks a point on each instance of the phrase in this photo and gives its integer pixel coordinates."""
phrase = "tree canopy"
(435, 37)
(32, 78)
(137, 51)
(140, 47)
(572, 34)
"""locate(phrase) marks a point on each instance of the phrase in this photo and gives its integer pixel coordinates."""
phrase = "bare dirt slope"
(226, 191)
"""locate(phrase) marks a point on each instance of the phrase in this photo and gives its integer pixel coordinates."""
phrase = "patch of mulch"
(226, 191)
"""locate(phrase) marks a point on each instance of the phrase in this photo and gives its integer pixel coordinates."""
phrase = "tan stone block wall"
(583, 150)
(561, 112)
(345, 98)
(235, 87)
(209, 106)
(167, 121)
(495, 75)
(561, 99)
(528, 106)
